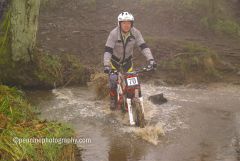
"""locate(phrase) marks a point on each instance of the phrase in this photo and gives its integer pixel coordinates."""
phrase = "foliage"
(225, 26)
(61, 70)
(5, 39)
(13, 105)
(49, 68)
(216, 16)
(20, 122)
(195, 63)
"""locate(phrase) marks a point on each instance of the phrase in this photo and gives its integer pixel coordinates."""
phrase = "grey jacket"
(114, 46)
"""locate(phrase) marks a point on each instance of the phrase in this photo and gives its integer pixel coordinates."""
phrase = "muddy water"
(195, 125)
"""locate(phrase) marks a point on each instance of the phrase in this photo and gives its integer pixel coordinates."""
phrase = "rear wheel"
(139, 115)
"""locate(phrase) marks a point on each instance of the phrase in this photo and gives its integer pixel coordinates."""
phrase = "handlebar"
(145, 69)
(141, 70)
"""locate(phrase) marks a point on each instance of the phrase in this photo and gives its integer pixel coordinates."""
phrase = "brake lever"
(148, 68)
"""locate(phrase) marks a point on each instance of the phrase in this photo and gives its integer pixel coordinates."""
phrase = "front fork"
(130, 110)
(129, 102)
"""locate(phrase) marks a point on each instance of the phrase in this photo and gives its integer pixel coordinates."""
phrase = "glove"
(152, 64)
(106, 69)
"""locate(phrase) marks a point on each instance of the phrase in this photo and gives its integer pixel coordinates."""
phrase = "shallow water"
(195, 125)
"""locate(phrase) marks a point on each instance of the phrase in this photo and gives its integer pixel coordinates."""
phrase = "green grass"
(61, 70)
(196, 63)
(222, 26)
(191, 47)
(5, 38)
(20, 122)
(49, 69)
(13, 105)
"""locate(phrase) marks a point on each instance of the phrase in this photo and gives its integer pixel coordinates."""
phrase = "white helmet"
(125, 16)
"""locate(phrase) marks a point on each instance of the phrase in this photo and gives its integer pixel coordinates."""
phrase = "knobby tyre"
(139, 115)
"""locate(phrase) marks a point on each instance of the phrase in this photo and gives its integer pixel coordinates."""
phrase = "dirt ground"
(81, 28)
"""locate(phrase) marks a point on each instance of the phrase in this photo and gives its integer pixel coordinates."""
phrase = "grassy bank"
(39, 69)
(184, 62)
(195, 63)
(18, 121)
(53, 70)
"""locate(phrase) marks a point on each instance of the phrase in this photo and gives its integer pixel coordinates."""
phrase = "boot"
(113, 99)
(113, 103)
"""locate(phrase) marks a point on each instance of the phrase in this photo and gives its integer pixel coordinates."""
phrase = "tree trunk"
(24, 25)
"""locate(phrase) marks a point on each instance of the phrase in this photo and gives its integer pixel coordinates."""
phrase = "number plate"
(132, 81)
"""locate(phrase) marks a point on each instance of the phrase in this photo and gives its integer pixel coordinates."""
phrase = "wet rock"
(157, 99)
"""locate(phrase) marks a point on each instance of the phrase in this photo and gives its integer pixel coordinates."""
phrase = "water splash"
(151, 134)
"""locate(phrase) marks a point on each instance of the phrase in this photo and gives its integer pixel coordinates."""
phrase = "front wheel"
(139, 115)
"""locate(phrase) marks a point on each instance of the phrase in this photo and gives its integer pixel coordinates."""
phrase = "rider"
(119, 51)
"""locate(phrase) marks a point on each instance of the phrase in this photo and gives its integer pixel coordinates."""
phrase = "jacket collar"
(119, 34)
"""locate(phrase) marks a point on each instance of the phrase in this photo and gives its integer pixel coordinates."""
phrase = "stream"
(196, 124)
